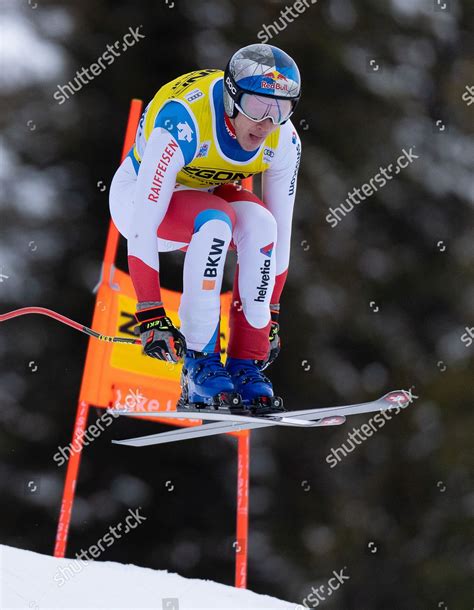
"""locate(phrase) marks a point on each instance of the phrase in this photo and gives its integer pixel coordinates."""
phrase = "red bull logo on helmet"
(275, 75)
(278, 81)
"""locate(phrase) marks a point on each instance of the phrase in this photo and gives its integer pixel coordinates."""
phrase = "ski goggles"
(258, 108)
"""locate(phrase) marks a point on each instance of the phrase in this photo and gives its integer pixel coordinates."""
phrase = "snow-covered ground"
(38, 582)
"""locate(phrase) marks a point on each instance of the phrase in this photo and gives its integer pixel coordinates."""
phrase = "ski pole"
(60, 318)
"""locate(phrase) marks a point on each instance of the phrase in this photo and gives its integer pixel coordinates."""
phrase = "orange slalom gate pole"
(242, 509)
(80, 424)
(71, 479)
(113, 235)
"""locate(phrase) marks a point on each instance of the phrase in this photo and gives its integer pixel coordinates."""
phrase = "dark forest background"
(379, 302)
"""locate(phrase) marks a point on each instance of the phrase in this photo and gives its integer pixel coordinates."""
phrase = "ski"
(278, 419)
(319, 417)
(208, 430)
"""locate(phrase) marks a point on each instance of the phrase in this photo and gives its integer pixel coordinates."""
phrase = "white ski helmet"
(261, 70)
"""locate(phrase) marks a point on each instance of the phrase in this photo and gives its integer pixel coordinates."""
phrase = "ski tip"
(334, 420)
(398, 398)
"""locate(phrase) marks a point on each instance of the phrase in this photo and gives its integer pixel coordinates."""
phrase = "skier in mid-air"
(178, 189)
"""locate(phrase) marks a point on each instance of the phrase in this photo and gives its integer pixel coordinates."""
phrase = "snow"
(30, 580)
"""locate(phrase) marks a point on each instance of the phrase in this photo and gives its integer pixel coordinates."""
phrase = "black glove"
(274, 338)
(160, 338)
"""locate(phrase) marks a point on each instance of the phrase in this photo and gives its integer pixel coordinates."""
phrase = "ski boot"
(206, 385)
(255, 389)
